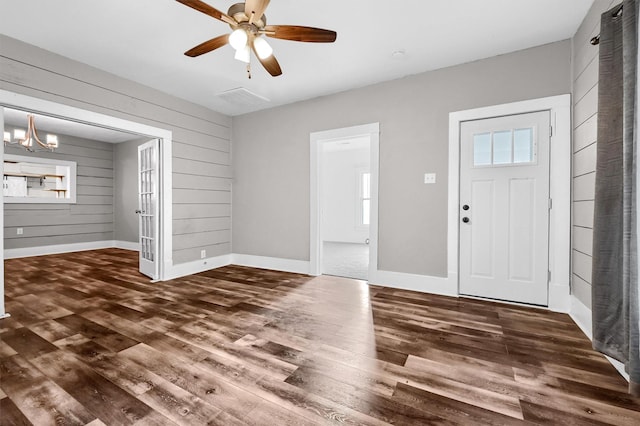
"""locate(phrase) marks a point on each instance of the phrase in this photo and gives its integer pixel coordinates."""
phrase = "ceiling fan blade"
(270, 64)
(256, 7)
(208, 10)
(297, 33)
(208, 46)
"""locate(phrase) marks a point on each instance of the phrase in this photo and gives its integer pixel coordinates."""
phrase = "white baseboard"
(272, 263)
(414, 282)
(581, 315)
(197, 266)
(559, 298)
(127, 245)
(56, 249)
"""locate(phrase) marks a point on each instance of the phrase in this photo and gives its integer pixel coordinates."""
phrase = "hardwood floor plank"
(108, 402)
(454, 411)
(10, 415)
(6, 350)
(264, 364)
(48, 310)
(21, 314)
(133, 330)
(41, 400)
(311, 406)
(93, 341)
(198, 381)
(269, 413)
(608, 381)
(51, 330)
(540, 414)
(377, 406)
(27, 343)
(177, 348)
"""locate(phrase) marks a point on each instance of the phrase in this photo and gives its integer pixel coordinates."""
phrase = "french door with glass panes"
(148, 178)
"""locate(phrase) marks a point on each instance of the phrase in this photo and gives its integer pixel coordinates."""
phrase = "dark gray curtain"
(615, 255)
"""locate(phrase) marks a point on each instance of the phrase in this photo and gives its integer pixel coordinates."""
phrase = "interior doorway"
(345, 186)
(344, 201)
(77, 116)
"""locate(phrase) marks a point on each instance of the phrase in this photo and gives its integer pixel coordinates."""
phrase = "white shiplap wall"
(201, 137)
(585, 117)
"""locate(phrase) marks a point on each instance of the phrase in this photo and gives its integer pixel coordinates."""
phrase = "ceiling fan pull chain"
(249, 71)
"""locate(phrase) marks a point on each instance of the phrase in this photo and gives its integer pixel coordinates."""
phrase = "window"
(505, 147)
(29, 179)
(365, 199)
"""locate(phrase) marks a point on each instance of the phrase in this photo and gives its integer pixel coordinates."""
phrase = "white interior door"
(148, 178)
(504, 208)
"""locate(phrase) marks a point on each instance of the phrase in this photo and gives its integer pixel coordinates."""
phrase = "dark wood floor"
(90, 341)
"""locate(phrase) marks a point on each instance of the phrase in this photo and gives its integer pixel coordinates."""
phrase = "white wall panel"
(585, 97)
(584, 187)
(584, 161)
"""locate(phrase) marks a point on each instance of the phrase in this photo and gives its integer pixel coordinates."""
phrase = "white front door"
(148, 178)
(504, 208)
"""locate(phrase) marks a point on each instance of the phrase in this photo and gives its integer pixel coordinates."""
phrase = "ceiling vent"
(243, 97)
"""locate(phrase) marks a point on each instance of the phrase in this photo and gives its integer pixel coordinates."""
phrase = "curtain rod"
(615, 14)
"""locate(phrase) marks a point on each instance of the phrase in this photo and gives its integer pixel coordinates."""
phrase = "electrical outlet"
(19, 231)
(203, 254)
(429, 178)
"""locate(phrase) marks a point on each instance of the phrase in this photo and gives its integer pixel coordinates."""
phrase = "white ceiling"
(144, 41)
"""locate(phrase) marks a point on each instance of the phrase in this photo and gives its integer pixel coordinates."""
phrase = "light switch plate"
(429, 178)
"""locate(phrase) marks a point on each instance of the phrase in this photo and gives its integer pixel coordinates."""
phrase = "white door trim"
(316, 141)
(10, 99)
(560, 189)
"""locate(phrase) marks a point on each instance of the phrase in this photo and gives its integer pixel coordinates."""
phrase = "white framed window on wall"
(364, 198)
(30, 179)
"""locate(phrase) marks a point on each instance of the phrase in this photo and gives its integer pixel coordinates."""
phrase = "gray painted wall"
(90, 219)
(125, 199)
(271, 154)
(585, 118)
(201, 137)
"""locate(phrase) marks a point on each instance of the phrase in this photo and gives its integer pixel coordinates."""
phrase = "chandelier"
(29, 139)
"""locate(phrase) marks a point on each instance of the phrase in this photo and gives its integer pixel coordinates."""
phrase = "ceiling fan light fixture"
(243, 55)
(248, 24)
(238, 39)
(263, 49)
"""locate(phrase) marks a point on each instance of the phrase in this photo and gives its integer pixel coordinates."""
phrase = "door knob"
(465, 207)
(138, 211)
(465, 219)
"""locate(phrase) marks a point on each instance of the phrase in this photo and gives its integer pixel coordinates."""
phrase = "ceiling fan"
(249, 25)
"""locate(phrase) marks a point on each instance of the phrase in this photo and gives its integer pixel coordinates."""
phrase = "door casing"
(560, 190)
(36, 105)
(316, 139)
